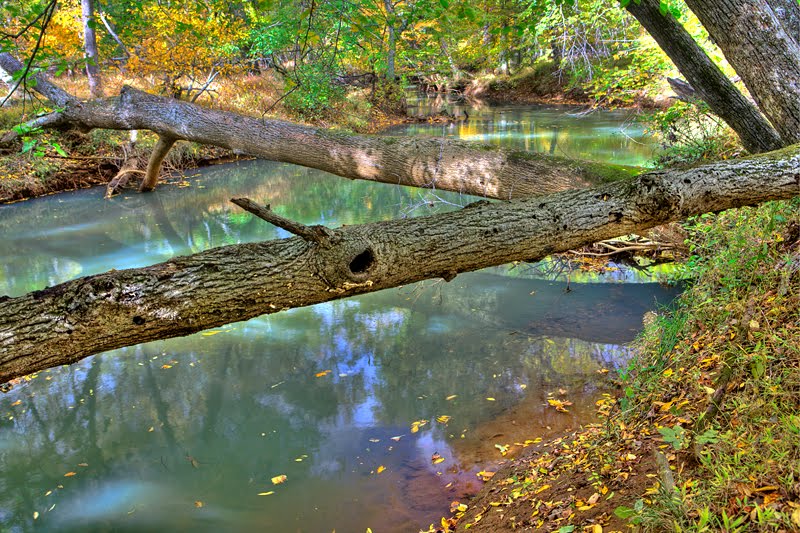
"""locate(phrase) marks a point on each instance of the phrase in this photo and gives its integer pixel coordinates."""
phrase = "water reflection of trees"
(394, 357)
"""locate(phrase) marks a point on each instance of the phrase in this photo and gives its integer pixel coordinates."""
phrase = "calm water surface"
(185, 434)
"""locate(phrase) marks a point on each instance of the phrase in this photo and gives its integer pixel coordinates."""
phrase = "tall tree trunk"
(766, 57)
(68, 322)
(391, 44)
(90, 48)
(721, 95)
(438, 163)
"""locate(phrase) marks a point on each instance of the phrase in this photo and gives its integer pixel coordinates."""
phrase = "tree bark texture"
(763, 53)
(788, 12)
(437, 163)
(67, 322)
(721, 95)
(90, 48)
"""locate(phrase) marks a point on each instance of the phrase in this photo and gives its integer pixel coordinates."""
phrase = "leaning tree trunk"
(708, 81)
(90, 48)
(763, 53)
(68, 322)
(437, 163)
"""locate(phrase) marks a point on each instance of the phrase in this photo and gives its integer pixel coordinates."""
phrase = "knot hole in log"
(353, 259)
(362, 263)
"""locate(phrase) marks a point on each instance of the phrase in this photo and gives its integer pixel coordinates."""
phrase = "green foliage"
(689, 134)
(310, 91)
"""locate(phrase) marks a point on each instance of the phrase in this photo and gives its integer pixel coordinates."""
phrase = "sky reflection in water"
(214, 416)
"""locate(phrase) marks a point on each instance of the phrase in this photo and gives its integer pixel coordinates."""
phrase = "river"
(352, 401)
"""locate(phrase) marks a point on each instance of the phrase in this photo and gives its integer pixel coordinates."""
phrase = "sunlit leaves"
(277, 480)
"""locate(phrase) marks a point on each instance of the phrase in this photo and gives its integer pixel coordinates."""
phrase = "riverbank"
(52, 161)
(545, 83)
(704, 432)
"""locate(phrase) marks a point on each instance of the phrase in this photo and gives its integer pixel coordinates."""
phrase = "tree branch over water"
(73, 320)
(438, 163)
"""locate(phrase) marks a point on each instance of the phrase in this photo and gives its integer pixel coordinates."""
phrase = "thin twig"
(316, 233)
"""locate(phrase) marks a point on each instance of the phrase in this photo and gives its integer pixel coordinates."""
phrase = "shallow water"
(565, 131)
(185, 434)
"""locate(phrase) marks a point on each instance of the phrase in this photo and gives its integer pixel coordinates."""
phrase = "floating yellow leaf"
(397, 438)
(16, 403)
(451, 397)
(483, 474)
(321, 374)
(444, 419)
(198, 504)
(212, 332)
(166, 366)
(560, 405)
(417, 424)
(266, 493)
(436, 458)
(490, 399)
(380, 469)
(277, 480)
(69, 474)
(83, 464)
(151, 429)
(35, 515)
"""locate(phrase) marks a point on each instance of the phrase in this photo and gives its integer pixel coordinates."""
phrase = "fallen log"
(65, 323)
(429, 162)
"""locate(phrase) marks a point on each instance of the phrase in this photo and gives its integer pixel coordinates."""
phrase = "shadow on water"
(188, 433)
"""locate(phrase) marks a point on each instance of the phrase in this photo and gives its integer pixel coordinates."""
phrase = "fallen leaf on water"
(166, 366)
(198, 504)
(212, 332)
(444, 419)
(417, 424)
(277, 480)
(436, 458)
(69, 474)
(380, 469)
(151, 429)
(451, 397)
(397, 438)
(560, 405)
(83, 464)
(266, 493)
(483, 474)
(374, 440)
(321, 374)
(490, 399)
(35, 515)
(16, 403)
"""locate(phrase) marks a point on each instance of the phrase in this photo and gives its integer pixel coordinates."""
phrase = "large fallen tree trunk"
(65, 323)
(438, 163)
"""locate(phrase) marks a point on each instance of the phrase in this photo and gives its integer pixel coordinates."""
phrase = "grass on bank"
(705, 432)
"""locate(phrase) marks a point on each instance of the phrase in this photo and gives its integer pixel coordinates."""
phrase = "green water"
(566, 131)
(184, 434)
